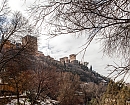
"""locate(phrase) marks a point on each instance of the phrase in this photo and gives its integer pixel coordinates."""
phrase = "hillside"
(34, 59)
(86, 74)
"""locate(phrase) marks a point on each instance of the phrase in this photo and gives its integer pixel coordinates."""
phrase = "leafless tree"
(93, 93)
(43, 84)
(16, 79)
(109, 20)
(4, 9)
(69, 89)
(13, 26)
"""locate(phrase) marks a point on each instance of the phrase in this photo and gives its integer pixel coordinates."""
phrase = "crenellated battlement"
(72, 59)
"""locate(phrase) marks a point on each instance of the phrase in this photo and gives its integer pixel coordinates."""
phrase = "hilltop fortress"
(71, 59)
(38, 59)
(30, 44)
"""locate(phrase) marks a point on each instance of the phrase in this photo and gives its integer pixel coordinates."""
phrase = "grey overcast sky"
(65, 45)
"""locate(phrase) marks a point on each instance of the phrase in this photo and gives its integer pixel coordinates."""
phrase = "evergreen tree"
(91, 68)
(117, 94)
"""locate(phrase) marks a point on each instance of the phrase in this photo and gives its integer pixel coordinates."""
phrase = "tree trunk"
(17, 93)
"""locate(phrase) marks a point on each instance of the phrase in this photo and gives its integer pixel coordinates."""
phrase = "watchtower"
(66, 60)
(30, 43)
(62, 60)
(72, 57)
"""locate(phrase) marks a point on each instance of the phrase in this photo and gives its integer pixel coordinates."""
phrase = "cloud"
(65, 45)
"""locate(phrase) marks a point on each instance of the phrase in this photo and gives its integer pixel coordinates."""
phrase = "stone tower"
(30, 42)
(62, 60)
(66, 60)
(72, 57)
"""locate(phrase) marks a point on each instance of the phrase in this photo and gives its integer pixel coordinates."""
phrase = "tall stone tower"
(62, 60)
(30, 43)
(72, 57)
(66, 60)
